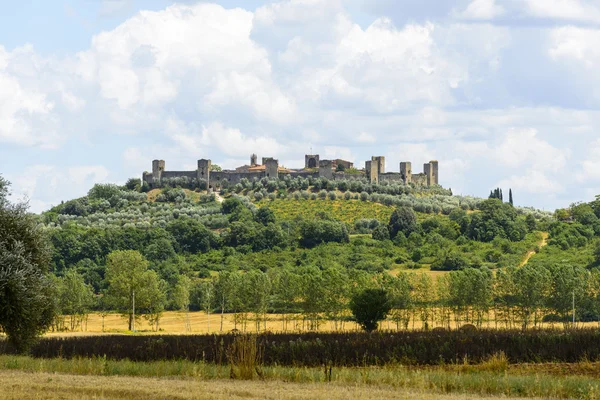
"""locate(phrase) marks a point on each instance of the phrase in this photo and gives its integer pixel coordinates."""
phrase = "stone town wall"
(391, 177)
(179, 174)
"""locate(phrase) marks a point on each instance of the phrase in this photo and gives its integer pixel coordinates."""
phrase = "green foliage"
(75, 297)
(381, 233)
(496, 219)
(27, 305)
(369, 307)
(131, 283)
(134, 184)
(191, 236)
(265, 216)
(315, 232)
(403, 220)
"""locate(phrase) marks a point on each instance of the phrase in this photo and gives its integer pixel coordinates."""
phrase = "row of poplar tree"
(305, 297)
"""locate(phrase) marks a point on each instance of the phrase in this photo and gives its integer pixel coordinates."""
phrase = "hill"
(311, 229)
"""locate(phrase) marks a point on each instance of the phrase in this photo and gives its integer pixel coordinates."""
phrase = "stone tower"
(434, 172)
(372, 171)
(253, 160)
(326, 169)
(380, 161)
(158, 166)
(406, 172)
(204, 171)
(271, 167)
(427, 172)
(311, 161)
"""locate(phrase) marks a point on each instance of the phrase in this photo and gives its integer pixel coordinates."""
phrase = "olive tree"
(27, 293)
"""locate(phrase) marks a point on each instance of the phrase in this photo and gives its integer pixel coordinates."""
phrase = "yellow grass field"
(174, 322)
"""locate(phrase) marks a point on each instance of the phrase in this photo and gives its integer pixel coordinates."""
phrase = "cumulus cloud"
(581, 45)
(575, 10)
(523, 147)
(460, 82)
(46, 185)
(482, 9)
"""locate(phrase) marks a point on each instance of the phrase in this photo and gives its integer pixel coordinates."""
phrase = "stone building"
(374, 171)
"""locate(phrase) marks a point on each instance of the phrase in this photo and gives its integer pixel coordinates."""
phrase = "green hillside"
(308, 227)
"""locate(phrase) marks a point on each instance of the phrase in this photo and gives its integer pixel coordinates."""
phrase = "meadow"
(100, 378)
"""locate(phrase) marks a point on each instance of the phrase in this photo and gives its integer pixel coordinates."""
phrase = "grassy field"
(342, 210)
(21, 385)
(25, 377)
(173, 322)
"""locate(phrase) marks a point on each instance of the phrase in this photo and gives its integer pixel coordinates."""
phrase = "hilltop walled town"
(374, 171)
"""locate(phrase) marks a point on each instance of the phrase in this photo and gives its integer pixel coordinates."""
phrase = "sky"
(503, 93)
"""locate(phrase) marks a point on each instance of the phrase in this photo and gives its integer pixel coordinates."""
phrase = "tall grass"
(245, 357)
(439, 379)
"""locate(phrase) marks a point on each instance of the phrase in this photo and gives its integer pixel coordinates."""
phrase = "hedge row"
(340, 349)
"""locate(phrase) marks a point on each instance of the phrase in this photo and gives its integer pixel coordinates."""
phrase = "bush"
(381, 233)
(369, 307)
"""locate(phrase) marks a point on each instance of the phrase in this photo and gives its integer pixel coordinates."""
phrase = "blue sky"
(501, 92)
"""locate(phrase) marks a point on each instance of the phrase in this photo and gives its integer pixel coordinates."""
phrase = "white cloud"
(27, 115)
(590, 166)
(297, 11)
(521, 147)
(233, 142)
(575, 10)
(366, 137)
(533, 181)
(579, 44)
(46, 185)
(335, 152)
(80, 174)
(482, 9)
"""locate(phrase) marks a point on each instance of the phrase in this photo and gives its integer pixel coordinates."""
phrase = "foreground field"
(24, 377)
(21, 385)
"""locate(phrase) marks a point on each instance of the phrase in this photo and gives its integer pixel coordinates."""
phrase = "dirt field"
(22, 385)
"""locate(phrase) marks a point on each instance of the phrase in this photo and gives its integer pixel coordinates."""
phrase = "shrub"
(369, 307)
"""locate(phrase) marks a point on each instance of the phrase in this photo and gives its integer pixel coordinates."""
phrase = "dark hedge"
(340, 349)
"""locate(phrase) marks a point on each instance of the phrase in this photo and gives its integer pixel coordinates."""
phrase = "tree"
(27, 293)
(134, 184)
(130, 280)
(381, 233)
(265, 216)
(216, 168)
(181, 297)
(510, 198)
(320, 231)
(76, 297)
(369, 307)
(403, 220)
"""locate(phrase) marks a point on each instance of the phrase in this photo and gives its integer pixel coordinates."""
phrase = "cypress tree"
(510, 198)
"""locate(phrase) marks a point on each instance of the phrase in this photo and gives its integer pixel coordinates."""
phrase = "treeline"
(253, 238)
(512, 298)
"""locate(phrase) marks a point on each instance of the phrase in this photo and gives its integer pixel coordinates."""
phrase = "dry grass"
(23, 385)
(174, 322)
